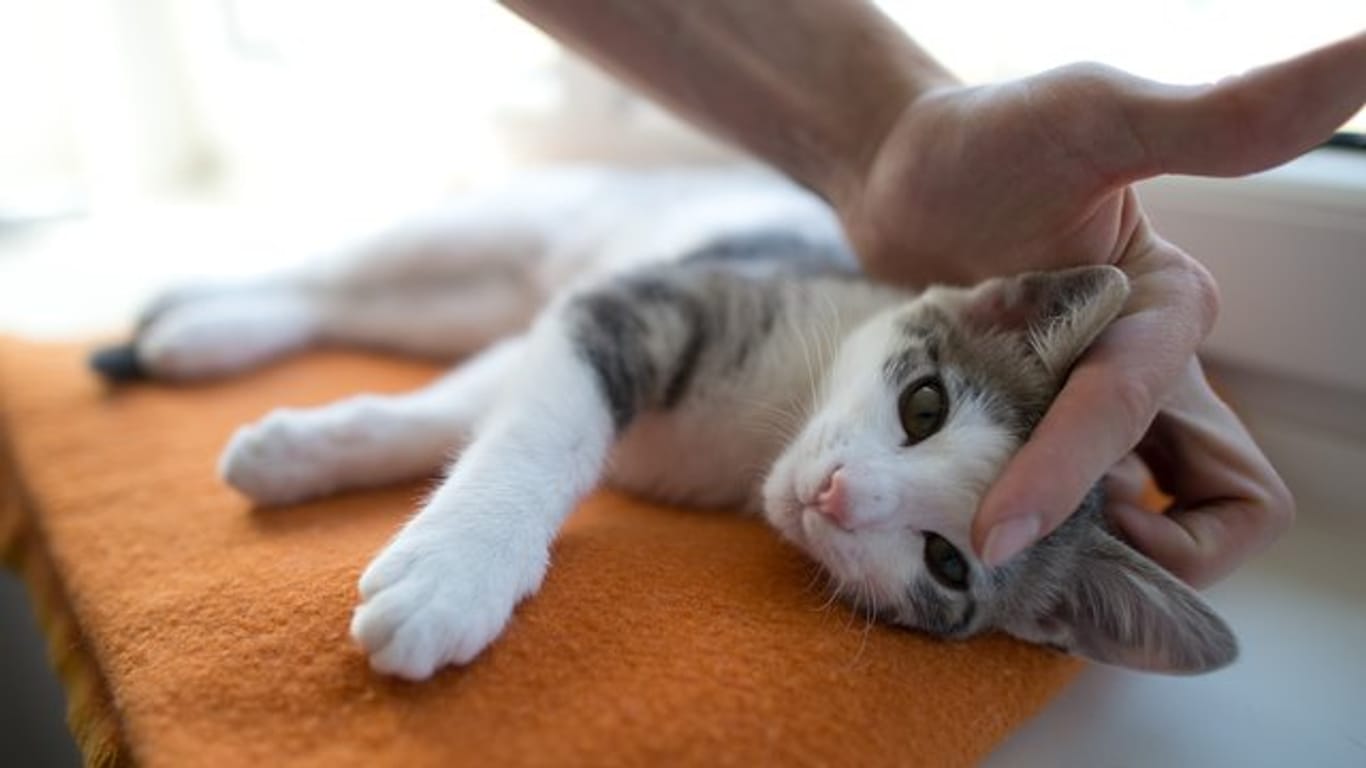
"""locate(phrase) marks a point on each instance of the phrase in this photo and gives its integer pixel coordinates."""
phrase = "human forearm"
(812, 87)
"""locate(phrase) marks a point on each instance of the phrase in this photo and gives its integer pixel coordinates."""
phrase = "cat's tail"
(118, 363)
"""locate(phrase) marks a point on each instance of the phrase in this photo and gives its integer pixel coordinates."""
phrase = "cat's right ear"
(1062, 312)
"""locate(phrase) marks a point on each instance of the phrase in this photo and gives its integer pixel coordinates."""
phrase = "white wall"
(1288, 249)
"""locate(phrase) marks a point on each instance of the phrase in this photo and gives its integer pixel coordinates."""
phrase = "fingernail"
(1008, 538)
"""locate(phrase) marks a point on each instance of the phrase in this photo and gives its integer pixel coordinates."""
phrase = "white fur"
(445, 587)
(225, 334)
(293, 455)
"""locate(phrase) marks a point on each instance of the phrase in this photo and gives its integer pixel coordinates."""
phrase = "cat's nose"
(831, 499)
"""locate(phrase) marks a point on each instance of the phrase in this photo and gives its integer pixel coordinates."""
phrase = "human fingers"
(1253, 121)
(1229, 501)
(1125, 128)
(1129, 481)
(1106, 405)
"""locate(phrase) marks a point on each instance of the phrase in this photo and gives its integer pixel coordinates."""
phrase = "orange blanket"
(193, 630)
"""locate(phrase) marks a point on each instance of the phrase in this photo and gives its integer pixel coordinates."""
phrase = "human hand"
(1227, 501)
(1034, 174)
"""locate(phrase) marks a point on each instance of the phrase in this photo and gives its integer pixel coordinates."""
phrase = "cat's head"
(923, 406)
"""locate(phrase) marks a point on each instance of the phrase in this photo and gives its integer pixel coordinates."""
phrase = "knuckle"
(1205, 297)
(1195, 567)
(1104, 131)
(1095, 76)
(1133, 404)
(1278, 508)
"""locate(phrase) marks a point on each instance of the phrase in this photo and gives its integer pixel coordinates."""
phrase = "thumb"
(1253, 121)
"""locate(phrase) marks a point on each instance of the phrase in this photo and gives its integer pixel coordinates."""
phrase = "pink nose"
(831, 499)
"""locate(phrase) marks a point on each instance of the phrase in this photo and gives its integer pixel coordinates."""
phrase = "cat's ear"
(1118, 607)
(1062, 312)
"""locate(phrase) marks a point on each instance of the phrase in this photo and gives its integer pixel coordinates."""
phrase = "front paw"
(439, 595)
(280, 459)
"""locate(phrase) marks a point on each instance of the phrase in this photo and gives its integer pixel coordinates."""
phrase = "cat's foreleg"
(446, 585)
(365, 441)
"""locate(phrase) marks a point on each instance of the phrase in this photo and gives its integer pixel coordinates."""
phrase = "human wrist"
(868, 121)
(813, 87)
(888, 76)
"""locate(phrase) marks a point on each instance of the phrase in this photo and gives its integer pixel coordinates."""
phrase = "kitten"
(697, 337)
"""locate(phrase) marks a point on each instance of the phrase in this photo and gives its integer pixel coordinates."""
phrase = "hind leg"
(297, 454)
(442, 285)
(222, 331)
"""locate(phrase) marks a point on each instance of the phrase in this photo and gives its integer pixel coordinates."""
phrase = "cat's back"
(607, 221)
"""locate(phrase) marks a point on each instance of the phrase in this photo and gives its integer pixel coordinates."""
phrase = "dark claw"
(118, 363)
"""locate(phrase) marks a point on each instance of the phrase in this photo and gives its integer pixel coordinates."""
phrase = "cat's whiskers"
(799, 335)
(865, 606)
(772, 419)
(767, 423)
(828, 327)
(832, 584)
(816, 573)
(852, 606)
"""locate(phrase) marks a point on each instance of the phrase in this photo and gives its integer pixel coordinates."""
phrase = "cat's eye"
(922, 408)
(945, 562)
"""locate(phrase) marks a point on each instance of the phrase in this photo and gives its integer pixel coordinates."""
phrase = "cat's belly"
(712, 462)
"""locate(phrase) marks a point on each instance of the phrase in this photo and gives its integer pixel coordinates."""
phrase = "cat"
(699, 337)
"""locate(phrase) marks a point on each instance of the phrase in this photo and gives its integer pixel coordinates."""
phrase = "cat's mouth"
(846, 553)
(840, 552)
(816, 527)
(799, 522)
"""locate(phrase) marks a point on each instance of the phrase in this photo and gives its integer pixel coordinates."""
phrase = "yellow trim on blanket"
(90, 716)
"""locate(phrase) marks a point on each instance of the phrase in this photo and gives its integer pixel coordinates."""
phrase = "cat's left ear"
(1118, 607)
(1062, 312)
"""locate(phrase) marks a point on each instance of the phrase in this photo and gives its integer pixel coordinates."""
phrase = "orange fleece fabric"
(218, 633)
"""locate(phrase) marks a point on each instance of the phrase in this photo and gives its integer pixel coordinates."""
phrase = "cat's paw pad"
(278, 460)
(431, 600)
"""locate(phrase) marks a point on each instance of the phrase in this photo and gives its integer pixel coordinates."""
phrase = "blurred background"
(148, 141)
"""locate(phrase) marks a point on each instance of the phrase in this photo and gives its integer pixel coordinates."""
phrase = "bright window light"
(1176, 41)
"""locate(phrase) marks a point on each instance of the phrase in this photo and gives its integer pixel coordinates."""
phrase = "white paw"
(202, 336)
(282, 459)
(440, 593)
